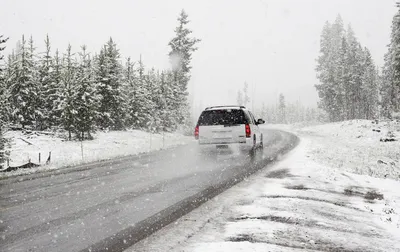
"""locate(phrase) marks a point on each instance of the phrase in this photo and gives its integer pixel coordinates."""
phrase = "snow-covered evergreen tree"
(325, 73)
(109, 78)
(68, 82)
(239, 98)
(3, 102)
(24, 85)
(370, 88)
(355, 56)
(36, 88)
(46, 88)
(182, 46)
(141, 106)
(246, 98)
(387, 90)
(84, 97)
(129, 79)
(390, 90)
(163, 104)
(4, 105)
(154, 84)
(55, 91)
(5, 99)
(282, 109)
(169, 90)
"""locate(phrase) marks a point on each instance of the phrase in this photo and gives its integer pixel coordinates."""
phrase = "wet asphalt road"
(113, 204)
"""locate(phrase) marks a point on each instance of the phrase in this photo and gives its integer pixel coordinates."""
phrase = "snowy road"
(115, 203)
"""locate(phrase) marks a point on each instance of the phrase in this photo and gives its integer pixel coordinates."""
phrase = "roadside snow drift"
(359, 146)
(106, 145)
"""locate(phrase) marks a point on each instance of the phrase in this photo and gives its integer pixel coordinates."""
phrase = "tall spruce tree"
(24, 86)
(182, 46)
(153, 84)
(3, 102)
(109, 78)
(47, 90)
(68, 82)
(129, 78)
(370, 87)
(141, 107)
(325, 73)
(282, 109)
(55, 91)
(37, 98)
(4, 105)
(390, 90)
(239, 98)
(84, 97)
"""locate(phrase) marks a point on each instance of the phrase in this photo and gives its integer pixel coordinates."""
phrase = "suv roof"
(225, 107)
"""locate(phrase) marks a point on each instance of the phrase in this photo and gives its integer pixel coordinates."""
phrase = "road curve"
(111, 205)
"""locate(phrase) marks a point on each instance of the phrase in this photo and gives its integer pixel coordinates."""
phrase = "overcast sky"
(271, 44)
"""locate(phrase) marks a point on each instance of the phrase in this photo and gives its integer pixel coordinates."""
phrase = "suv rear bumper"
(242, 146)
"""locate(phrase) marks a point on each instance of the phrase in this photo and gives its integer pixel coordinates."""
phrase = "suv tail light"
(248, 131)
(196, 132)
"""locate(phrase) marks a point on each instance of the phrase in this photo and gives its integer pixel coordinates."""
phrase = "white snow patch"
(106, 145)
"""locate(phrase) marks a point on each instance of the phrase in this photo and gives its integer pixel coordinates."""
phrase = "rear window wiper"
(230, 125)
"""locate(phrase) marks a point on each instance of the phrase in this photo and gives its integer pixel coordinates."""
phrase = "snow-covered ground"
(105, 145)
(329, 194)
(356, 146)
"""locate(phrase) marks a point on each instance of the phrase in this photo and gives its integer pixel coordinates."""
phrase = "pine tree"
(112, 109)
(391, 71)
(370, 88)
(337, 85)
(3, 103)
(55, 91)
(84, 97)
(246, 98)
(141, 106)
(36, 87)
(66, 106)
(355, 63)
(154, 84)
(282, 109)
(325, 73)
(387, 87)
(24, 86)
(182, 47)
(171, 118)
(129, 78)
(239, 98)
(165, 111)
(47, 90)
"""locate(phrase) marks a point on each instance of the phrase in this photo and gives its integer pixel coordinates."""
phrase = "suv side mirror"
(260, 121)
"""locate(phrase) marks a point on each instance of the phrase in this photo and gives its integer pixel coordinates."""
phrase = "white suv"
(224, 126)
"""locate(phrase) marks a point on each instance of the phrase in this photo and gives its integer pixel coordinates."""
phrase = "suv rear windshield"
(222, 117)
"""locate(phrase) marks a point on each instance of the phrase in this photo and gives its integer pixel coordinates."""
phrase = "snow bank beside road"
(356, 146)
(106, 145)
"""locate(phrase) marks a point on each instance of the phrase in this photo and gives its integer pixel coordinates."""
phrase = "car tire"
(253, 149)
(262, 142)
